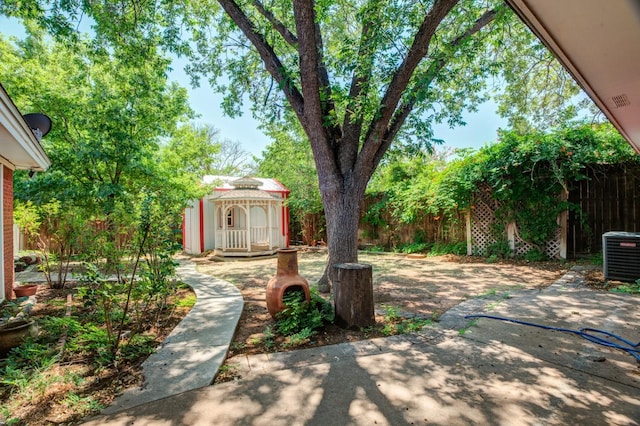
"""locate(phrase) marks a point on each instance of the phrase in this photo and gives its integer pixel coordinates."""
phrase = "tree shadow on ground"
(448, 381)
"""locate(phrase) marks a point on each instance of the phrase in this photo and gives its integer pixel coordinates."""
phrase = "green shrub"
(373, 249)
(138, 346)
(299, 315)
(440, 248)
(498, 249)
(92, 340)
(414, 248)
(299, 338)
(596, 259)
(535, 255)
(631, 288)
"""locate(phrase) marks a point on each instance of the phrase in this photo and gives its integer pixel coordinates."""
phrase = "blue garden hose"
(590, 334)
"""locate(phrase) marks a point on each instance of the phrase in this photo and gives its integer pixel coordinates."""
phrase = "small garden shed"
(19, 149)
(240, 217)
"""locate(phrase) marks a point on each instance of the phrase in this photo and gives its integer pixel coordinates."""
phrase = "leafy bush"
(95, 341)
(499, 249)
(631, 288)
(300, 316)
(299, 338)
(440, 248)
(596, 259)
(535, 255)
(415, 248)
(56, 326)
(374, 249)
(138, 346)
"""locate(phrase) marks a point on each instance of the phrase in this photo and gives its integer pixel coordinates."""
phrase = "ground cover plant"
(69, 371)
(595, 279)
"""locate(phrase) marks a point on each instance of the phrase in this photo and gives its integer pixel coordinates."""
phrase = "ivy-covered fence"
(525, 180)
(515, 191)
(486, 235)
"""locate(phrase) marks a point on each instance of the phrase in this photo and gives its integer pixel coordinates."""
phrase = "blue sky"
(481, 126)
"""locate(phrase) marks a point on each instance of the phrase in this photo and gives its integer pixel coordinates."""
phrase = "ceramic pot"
(30, 259)
(25, 290)
(14, 333)
(286, 279)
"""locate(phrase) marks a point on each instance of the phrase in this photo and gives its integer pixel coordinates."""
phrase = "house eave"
(20, 147)
(596, 41)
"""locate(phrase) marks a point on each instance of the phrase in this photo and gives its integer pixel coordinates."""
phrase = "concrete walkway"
(191, 355)
(459, 372)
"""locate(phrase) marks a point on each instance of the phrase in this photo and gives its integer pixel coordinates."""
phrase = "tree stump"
(353, 296)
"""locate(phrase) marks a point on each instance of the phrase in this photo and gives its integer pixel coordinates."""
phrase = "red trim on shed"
(201, 225)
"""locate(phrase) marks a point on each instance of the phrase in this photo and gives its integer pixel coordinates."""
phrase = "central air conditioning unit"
(621, 252)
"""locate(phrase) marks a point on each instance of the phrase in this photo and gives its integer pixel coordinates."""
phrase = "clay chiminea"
(287, 279)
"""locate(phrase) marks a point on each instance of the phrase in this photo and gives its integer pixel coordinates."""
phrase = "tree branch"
(326, 96)
(314, 82)
(353, 119)
(425, 80)
(400, 80)
(272, 63)
(287, 35)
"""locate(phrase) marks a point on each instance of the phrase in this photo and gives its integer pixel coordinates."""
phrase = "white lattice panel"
(482, 219)
(553, 247)
(520, 246)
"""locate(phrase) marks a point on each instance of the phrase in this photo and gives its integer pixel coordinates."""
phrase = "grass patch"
(395, 323)
(631, 288)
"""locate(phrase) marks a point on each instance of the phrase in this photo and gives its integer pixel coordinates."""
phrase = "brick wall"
(7, 228)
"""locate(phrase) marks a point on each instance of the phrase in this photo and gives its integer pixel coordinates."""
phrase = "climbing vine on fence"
(526, 173)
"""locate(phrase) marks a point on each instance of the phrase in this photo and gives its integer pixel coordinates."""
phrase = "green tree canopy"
(109, 115)
(198, 150)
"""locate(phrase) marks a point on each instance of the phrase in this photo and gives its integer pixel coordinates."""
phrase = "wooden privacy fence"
(609, 200)
(389, 233)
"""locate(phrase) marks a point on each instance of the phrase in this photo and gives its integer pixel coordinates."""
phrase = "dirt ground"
(423, 287)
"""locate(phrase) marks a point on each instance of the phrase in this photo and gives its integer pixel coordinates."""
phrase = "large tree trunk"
(342, 212)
